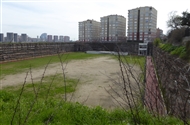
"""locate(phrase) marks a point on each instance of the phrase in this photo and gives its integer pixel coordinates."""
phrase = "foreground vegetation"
(54, 111)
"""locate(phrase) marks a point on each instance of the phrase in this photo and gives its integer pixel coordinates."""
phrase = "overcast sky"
(61, 17)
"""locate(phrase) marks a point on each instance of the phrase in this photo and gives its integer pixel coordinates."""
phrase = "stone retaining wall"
(17, 51)
(174, 76)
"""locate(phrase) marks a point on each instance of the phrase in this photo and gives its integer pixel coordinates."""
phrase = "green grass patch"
(168, 47)
(23, 65)
(182, 52)
(53, 86)
(56, 112)
(131, 59)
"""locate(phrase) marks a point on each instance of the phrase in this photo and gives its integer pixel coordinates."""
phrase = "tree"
(179, 27)
(185, 19)
(174, 21)
(175, 36)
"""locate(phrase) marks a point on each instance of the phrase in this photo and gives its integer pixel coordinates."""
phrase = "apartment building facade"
(142, 23)
(49, 38)
(61, 38)
(10, 37)
(55, 38)
(66, 39)
(15, 37)
(24, 37)
(89, 31)
(113, 28)
(1, 37)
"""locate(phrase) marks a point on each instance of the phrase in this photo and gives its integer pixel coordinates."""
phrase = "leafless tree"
(174, 21)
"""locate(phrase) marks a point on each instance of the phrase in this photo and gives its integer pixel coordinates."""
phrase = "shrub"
(181, 51)
(183, 55)
(188, 47)
(157, 42)
(168, 47)
(177, 51)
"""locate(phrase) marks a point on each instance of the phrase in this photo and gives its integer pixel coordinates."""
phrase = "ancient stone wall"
(16, 51)
(174, 78)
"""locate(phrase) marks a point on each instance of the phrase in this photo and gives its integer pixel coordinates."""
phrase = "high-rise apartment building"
(10, 37)
(1, 37)
(24, 38)
(61, 38)
(113, 28)
(89, 31)
(55, 38)
(49, 38)
(142, 23)
(66, 39)
(15, 37)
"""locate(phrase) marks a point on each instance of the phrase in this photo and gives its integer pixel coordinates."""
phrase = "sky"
(61, 17)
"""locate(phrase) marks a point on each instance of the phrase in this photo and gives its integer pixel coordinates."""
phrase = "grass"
(182, 51)
(54, 82)
(134, 60)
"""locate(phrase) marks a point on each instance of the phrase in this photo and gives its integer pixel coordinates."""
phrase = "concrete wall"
(174, 77)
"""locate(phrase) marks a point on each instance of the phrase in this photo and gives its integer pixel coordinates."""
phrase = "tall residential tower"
(113, 28)
(142, 23)
(89, 31)
(1, 37)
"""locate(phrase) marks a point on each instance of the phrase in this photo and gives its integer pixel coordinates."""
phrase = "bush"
(181, 51)
(183, 55)
(188, 47)
(168, 47)
(157, 42)
(178, 51)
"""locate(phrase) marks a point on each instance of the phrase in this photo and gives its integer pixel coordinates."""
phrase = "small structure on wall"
(143, 49)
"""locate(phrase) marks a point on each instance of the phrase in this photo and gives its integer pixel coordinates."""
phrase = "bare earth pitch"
(95, 76)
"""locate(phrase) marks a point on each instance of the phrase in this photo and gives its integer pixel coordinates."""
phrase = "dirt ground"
(98, 78)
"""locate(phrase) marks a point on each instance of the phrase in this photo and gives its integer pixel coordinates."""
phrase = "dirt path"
(153, 99)
(95, 76)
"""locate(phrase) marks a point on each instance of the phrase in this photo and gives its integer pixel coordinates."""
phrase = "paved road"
(153, 99)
